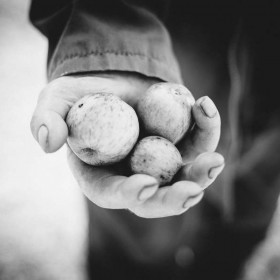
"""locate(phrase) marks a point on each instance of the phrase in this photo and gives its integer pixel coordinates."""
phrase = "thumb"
(47, 124)
(49, 129)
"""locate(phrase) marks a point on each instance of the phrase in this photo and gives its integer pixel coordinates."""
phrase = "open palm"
(108, 187)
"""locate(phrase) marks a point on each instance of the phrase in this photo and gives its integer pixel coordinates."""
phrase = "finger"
(206, 133)
(170, 200)
(108, 190)
(203, 170)
(47, 124)
(48, 121)
(49, 129)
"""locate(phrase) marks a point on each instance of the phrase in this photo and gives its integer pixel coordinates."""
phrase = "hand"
(139, 193)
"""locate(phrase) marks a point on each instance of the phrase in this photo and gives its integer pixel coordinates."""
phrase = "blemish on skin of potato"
(88, 151)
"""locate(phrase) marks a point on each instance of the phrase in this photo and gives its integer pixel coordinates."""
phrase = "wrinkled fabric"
(94, 36)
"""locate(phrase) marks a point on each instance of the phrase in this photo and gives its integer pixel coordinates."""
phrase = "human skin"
(109, 187)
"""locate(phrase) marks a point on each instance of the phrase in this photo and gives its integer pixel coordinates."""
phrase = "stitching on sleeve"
(97, 52)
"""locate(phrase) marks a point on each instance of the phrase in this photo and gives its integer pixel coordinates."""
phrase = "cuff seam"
(100, 53)
(104, 60)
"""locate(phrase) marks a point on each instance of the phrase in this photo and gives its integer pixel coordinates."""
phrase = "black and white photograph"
(139, 140)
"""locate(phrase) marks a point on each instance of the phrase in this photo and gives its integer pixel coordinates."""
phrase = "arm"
(87, 36)
(123, 49)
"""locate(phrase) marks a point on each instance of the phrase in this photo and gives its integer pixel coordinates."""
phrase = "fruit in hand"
(102, 129)
(156, 156)
(165, 110)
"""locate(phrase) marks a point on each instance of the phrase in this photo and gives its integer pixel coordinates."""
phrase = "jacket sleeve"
(105, 35)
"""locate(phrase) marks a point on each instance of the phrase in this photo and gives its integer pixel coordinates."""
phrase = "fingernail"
(215, 171)
(187, 205)
(147, 192)
(192, 201)
(43, 137)
(208, 107)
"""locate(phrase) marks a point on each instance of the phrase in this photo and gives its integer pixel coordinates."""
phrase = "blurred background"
(42, 215)
(43, 222)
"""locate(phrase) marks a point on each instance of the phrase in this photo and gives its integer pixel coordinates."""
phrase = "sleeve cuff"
(96, 39)
(115, 61)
